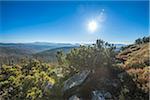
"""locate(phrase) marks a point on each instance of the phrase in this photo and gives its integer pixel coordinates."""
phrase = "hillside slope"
(136, 63)
(9, 55)
(14, 52)
(50, 55)
(10, 51)
(36, 47)
(136, 55)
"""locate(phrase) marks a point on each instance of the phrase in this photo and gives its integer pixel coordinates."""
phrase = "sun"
(92, 26)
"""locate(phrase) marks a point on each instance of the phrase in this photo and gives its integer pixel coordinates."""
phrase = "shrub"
(32, 80)
(92, 56)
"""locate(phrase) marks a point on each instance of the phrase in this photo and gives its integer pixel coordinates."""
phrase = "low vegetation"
(136, 63)
(36, 80)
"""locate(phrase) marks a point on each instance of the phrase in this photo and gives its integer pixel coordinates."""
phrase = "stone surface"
(107, 95)
(76, 80)
(74, 97)
(91, 86)
(97, 95)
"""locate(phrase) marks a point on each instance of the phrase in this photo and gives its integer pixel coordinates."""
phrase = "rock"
(97, 95)
(107, 95)
(76, 80)
(72, 84)
(74, 97)
(90, 86)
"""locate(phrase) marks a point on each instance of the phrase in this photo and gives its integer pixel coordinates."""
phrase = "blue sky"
(32, 21)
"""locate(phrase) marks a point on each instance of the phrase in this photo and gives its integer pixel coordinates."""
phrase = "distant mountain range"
(43, 51)
(14, 52)
(50, 55)
(36, 47)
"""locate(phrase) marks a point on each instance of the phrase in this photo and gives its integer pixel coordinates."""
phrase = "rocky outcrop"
(76, 80)
(74, 83)
(87, 85)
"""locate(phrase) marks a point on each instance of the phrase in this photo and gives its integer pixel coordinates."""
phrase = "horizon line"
(126, 43)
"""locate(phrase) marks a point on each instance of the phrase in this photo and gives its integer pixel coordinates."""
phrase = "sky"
(73, 21)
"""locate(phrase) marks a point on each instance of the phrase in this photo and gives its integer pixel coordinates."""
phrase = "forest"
(86, 72)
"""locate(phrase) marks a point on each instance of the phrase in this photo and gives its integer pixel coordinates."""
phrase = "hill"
(50, 55)
(14, 52)
(136, 55)
(10, 51)
(136, 62)
(35, 46)
(9, 55)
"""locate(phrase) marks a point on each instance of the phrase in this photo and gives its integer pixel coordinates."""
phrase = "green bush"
(90, 57)
(32, 80)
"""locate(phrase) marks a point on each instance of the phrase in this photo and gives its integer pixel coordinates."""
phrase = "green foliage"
(89, 57)
(49, 56)
(137, 41)
(142, 40)
(32, 80)
(60, 57)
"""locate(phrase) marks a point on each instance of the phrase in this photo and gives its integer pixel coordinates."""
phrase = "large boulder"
(73, 84)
